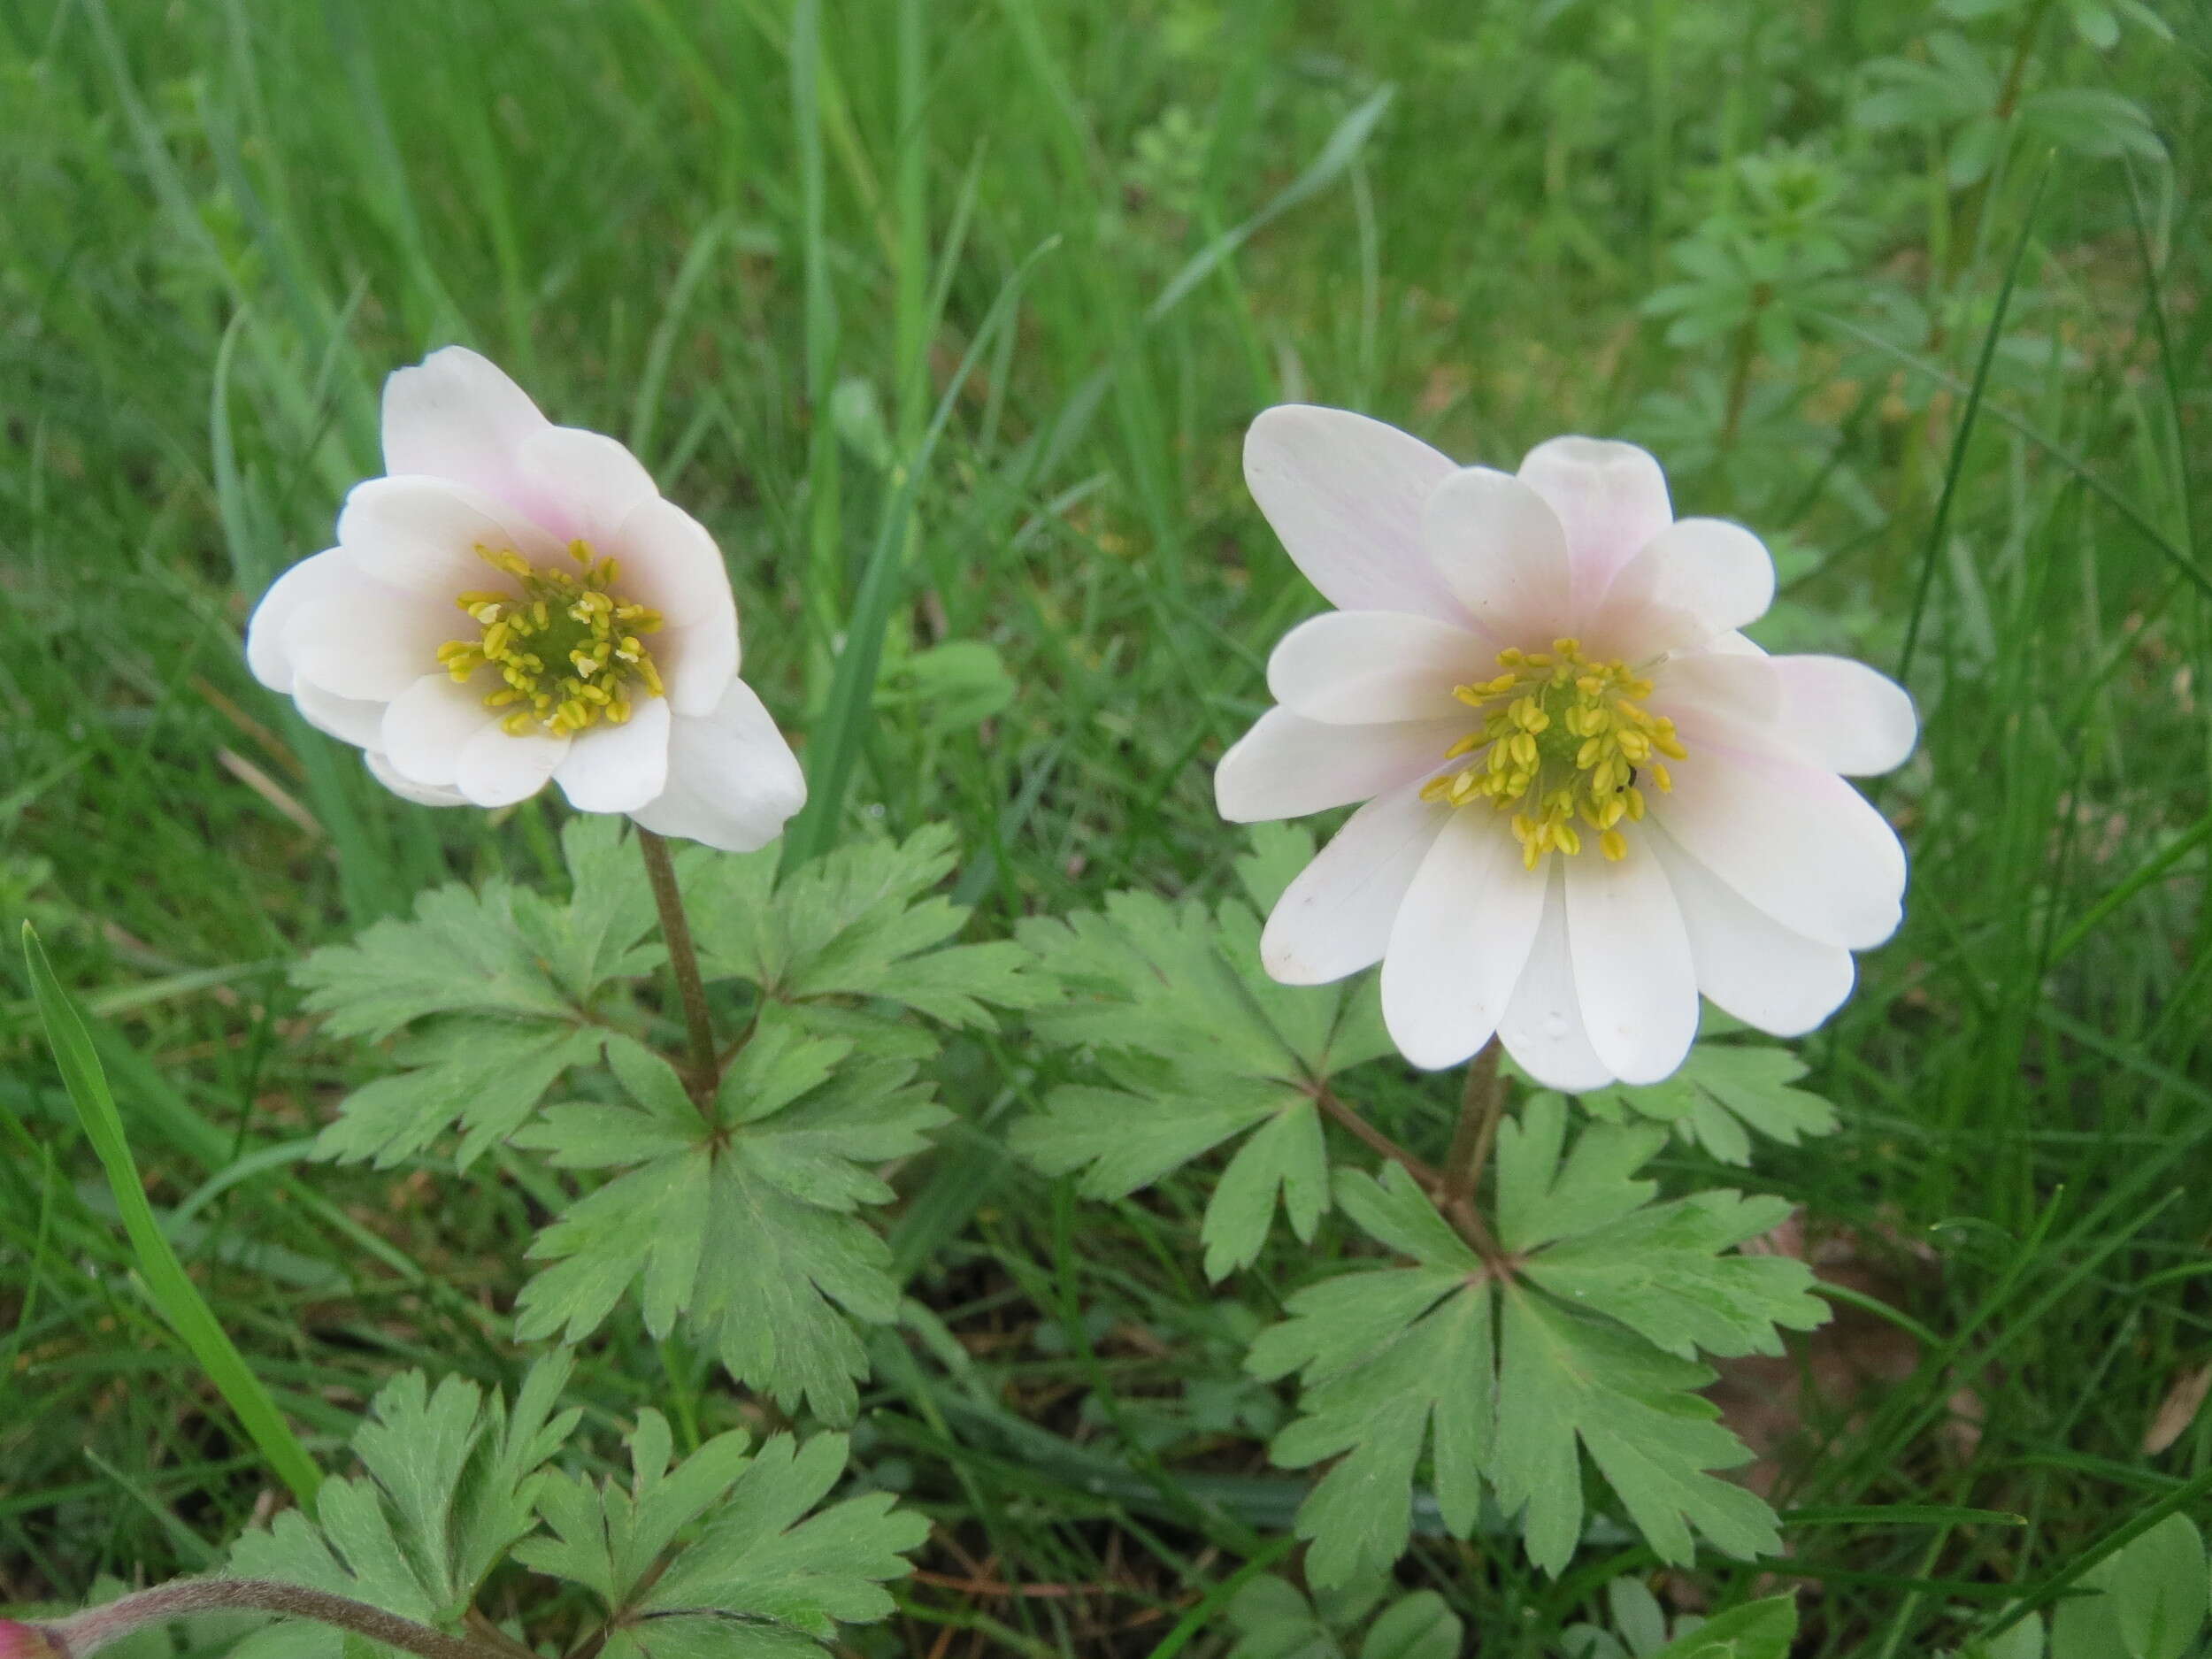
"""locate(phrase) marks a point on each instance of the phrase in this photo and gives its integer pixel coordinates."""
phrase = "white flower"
(1589, 798)
(514, 602)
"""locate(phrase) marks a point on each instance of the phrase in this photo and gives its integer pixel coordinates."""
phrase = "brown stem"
(683, 960)
(88, 1631)
(1376, 1141)
(1480, 1105)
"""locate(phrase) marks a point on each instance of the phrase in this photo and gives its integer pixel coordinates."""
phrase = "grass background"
(759, 243)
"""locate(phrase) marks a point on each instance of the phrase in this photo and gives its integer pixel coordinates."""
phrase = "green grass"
(948, 321)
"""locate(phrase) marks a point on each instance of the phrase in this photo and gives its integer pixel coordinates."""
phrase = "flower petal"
(1286, 766)
(1542, 1028)
(1611, 499)
(1842, 716)
(1334, 918)
(348, 720)
(581, 483)
(457, 416)
(422, 534)
(1461, 941)
(1365, 667)
(365, 640)
(1697, 579)
(1631, 964)
(732, 779)
(428, 726)
(1749, 963)
(311, 579)
(1799, 844)
(618, 768)
(1345, 493)
(407, 788)
(1500, 549)
(496, 768)
(669, 561)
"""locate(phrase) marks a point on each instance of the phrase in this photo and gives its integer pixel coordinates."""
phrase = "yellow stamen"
(568, 618)
(1561, 737)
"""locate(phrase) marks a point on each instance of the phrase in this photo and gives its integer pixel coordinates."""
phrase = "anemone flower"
(1588, 797)
(514, 602)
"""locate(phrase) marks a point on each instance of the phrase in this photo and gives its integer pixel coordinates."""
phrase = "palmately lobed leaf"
(1188, 1045)
(1582, 1340)
(745, 1223)
(1723, 1092)
(859, 922)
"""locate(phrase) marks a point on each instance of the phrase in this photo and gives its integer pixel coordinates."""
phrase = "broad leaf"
(859, 922)
(1191, 1045)
(1587, 1346)
(1722, 1092)
(450, 1479)
(742, 1219)
(759, 1575)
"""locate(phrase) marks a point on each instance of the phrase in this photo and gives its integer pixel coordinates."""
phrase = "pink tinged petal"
(669, 562)
(1501, 551)
(1344, 494)
(496, 768)
(1844, 717)
(456, 415)
(732, 780)
(1335, 918)
(429, 724)
(1611, 499)
(1286, 766)
(1366, 667)
(367, 640)
(1748, 962)
(1542, 1028)
(1699, 579)
(407, 788)
(1632, 963)
(346, 719)
(423, 533)
(618, 768)
(1461, 941)
(1799, 843)
(581, 483)
(310, 580)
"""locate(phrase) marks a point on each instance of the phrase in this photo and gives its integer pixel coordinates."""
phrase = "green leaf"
(462, 953)
(858, 923)
(1589, 1345)
(763, 1558)
(1273, 1621)
(512, 983)
(2158, 1587)
(449, 1482)
(1722, 1090)
(744, 1224)
(487, 1075)
(1760, 1629)
(1419, 1626)
(1390, 1360)
(1191, 1045)
(1564, 1379)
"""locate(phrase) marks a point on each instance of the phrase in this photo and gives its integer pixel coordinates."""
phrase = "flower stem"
(1481, 1105)
(1375, 1139)
(705, 1068)
(88, 1631)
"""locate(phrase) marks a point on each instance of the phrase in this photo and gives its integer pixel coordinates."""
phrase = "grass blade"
(174, 1295)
